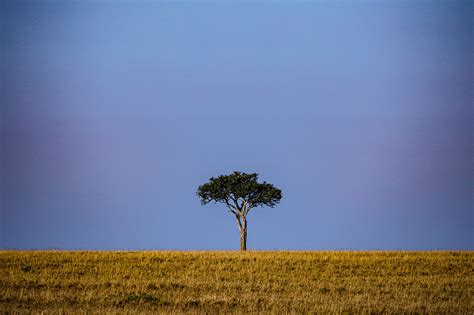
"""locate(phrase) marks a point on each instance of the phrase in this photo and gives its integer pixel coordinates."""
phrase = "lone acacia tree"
(240, 192)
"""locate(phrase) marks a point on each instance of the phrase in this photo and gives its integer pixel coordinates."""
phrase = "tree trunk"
(243, 235)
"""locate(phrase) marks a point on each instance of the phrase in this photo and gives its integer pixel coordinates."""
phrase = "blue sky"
(113, 113)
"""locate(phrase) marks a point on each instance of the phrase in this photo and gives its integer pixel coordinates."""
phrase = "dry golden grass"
(270, 282)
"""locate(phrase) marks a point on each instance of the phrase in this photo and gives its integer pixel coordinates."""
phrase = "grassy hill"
(55, 281)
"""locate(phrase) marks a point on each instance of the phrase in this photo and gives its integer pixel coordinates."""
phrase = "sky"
(114, 112)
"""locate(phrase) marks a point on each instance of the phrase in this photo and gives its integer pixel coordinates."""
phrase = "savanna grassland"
(168, 281)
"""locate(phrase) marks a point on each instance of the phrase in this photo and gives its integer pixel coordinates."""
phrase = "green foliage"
(240, 190)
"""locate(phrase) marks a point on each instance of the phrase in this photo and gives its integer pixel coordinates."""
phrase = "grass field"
(56, 281)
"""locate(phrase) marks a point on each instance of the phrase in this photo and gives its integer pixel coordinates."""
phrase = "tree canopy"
(240, 192)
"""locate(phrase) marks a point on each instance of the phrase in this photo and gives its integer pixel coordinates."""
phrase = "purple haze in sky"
(112, 114)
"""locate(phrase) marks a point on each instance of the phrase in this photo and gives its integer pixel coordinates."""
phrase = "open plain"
(226, 281)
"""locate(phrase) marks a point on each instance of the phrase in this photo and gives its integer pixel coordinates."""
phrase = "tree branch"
(230, 205)
(237, 207)
(239, 224)
(248, 208)
(234, 200)
(231, 208)
(244, 206)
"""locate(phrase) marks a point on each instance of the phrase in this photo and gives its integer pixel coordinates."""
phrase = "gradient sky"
(112, 114)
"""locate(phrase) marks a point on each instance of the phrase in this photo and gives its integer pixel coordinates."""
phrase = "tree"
(240, 192)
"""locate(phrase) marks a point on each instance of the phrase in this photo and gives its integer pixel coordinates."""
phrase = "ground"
(220, 281)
